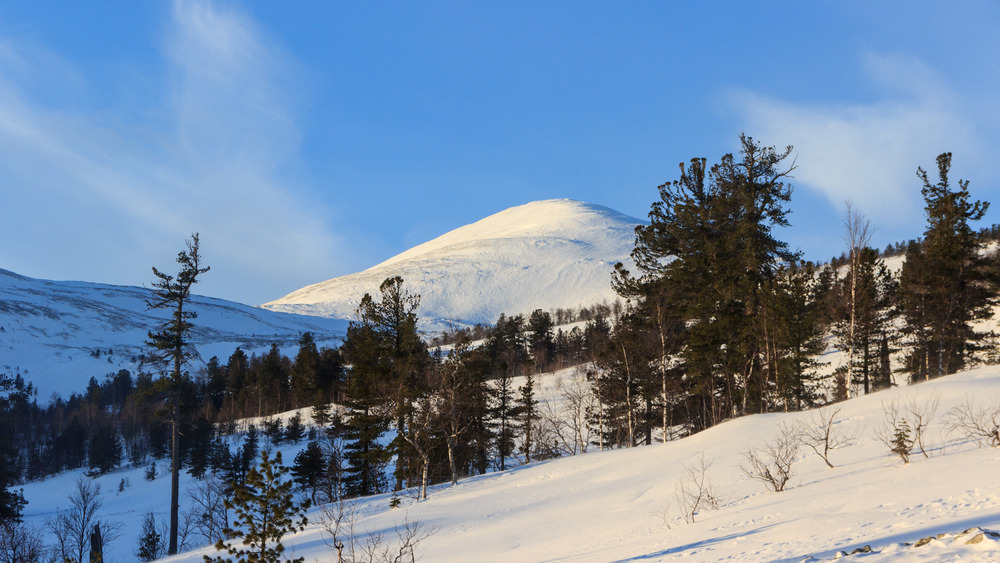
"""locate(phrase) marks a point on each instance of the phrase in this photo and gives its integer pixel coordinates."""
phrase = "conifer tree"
(945, 284)
(11, 502)
(502, 413)
(264, 510)
(710, 238)
(170, 344)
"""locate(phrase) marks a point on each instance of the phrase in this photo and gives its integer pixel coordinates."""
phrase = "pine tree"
(526, 411)
(150, 542)
(502, 413)
(11, 502)
(309, 468)
(104, 449)
(264, 510)
(945, 285)
(170, 343)
(710, 238)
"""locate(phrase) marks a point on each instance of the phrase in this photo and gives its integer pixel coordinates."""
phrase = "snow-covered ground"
(620, 505)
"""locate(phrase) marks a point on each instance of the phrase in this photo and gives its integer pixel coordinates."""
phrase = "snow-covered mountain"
(60, 334)
(545, 254)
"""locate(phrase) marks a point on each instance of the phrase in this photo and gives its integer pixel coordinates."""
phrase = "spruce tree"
(11, 501)
(170, 345)
(711, 238)
(945, 284)
(264, 510)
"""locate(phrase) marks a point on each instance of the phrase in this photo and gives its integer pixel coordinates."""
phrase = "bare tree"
(207, 513)
(339, 521)
(72, 528)
(921, 411)
(823, 435)
(694, 491)
(977, 421)
(20, 542)
(772, 464)
(567, 420)
(858, 233)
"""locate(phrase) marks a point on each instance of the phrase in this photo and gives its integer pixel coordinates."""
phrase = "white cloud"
(102, 199)
(869, 152)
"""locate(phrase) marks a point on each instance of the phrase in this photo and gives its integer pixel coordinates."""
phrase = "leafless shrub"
(20, 542)
(664, 515)
(921, 411)
(71, 528)
(772, 464)
(905, 423)
(895, 432)
(977, 421)
(568, 424)
(339, 521)
(822, 434)
(695, 492)
(207, 515)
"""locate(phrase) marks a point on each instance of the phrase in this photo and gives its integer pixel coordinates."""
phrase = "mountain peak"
(544, 254)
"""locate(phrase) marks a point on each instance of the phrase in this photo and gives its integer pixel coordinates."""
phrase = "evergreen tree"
(104, 451)
(150, 542)
(309, 469)
(502, 414)
(710, 237)
(526, 411)
(367, 402)
(11, 502)
(945, 284)
(264, 510)
(170, 343)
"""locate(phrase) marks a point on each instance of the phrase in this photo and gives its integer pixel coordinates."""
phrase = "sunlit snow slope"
(60, 334)
(621, 505)
(545, 254)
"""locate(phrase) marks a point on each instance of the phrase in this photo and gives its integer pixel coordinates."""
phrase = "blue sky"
(310, 139)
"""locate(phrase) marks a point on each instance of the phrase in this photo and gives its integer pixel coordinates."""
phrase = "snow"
(609, 505)
(58, 334)
(546, 254)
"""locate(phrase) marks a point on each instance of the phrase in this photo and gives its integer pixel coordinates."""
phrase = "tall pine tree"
(946, 285)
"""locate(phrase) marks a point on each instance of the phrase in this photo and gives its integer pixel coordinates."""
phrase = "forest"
(718, 319)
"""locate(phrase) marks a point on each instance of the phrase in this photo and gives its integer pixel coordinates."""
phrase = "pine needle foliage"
(264, 509)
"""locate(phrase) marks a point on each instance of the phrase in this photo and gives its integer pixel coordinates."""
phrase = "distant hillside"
(546, 254)
(59, 334)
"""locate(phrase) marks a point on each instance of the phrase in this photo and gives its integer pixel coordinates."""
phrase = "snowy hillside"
(59, 334)
(620, 505)
(546, 254)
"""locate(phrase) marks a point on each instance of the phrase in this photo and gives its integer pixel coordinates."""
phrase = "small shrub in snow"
(822, 434)
(695, 492)
(977, 422)
(772, 464)
(905, 424)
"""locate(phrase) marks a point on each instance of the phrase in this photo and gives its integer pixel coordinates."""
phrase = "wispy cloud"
(869, 152)
(105, 198)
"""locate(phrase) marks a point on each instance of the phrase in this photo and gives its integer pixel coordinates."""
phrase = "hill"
(620, 505)
(59, 334)
(546, 254)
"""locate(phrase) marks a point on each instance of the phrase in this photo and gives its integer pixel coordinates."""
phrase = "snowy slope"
(545, 254)
(59, 334)
(608, 506)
